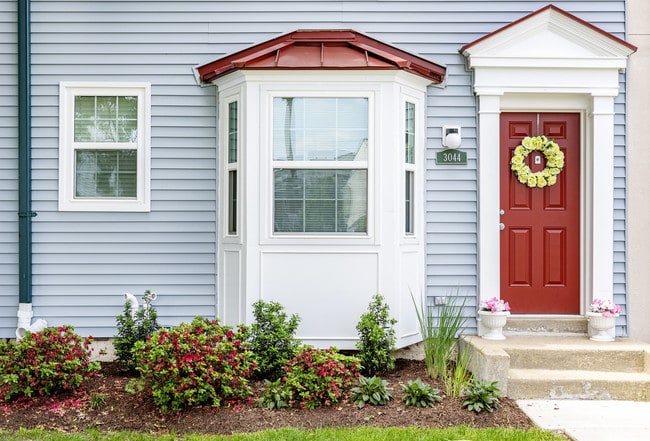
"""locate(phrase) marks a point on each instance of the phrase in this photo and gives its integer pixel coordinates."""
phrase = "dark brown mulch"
(124, 411)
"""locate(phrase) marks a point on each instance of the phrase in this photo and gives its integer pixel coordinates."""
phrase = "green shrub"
(371, 390)
(376, 338)
(482, 396)
(192, 364)
(272, 339)
(45, 363)
(319, 377)
(419, 394)
(131, 330)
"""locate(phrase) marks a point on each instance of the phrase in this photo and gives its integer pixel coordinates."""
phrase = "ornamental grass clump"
(194, 364)
(318, 377)
(45, 363)
(440, 334)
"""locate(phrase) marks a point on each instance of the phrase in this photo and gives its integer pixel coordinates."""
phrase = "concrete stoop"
(563, 367)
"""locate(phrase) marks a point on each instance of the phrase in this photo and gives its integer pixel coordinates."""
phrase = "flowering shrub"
(494, 305)
(319, 377)
(198, 363)
(605, 307)
(45, 363)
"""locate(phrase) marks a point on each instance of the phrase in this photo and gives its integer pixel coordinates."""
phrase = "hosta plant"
(275, 396)
(45, 363)
(319, 377)
(419, 394)
(193, 364)
(482, 396)
(371, 390)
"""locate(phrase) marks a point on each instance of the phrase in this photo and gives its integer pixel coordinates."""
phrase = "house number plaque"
(451, 157)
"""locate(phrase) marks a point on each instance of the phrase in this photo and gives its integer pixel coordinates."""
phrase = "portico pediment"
(549, 37)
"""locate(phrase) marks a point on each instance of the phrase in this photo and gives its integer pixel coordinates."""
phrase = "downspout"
(25, 212)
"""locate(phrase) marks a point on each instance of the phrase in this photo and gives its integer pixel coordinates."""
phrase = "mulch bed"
(124, 411)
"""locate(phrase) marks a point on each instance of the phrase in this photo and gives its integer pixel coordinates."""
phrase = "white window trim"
(268, 165)
(231, 166)
(417, 168)
(67, 199)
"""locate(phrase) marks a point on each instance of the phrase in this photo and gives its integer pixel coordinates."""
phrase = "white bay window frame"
(317, 89)
(68, 147)
(360, 164)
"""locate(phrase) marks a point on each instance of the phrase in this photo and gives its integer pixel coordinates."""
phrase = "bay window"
(320, 164)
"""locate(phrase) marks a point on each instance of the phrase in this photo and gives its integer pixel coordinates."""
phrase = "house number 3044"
(451, 157)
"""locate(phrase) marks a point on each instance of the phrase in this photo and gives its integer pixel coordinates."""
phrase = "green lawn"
(359, 434)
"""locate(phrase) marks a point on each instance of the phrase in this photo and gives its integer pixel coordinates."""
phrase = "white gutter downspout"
(25, 324)
(133, 303)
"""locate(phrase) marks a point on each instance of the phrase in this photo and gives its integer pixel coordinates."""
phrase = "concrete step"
(578, 384)
(574, 353)
(567, 366)
(555, 326)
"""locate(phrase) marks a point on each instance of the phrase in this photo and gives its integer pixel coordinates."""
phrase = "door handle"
(502, 226)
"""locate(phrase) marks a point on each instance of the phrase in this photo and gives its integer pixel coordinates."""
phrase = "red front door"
(540, 241)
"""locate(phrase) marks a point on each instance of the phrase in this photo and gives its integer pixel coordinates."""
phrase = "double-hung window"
(104, 147)
(320, 165)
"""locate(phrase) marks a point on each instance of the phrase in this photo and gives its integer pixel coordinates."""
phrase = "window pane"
(106, 119)
(320, 201)
(106, 174)
(409, 133)
(232, 132)
(408, 203)
(232, 202)
(320, 129)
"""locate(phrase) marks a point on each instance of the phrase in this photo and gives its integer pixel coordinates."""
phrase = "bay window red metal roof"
(322, 50)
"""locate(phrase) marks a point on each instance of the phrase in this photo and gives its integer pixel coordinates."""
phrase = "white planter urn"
(493, 323)
(602, 327)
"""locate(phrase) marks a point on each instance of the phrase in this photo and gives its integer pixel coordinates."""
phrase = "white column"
(602, 240)
(488, 185)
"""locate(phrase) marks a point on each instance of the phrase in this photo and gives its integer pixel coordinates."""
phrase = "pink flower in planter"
(605, 307)
(494, 305)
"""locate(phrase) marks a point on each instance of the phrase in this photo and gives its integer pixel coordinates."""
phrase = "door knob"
(502, 212)
(502, 226)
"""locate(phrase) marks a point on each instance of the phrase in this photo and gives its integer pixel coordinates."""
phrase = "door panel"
(540, 244)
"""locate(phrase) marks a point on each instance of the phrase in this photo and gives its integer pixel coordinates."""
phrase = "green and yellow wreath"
(554, 161)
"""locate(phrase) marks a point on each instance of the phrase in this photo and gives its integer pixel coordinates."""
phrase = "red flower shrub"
(45, 363)
(319, 377)
(192, 364)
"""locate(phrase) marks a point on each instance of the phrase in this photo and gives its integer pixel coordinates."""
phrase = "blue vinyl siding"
(8, 169)
(83, 262)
